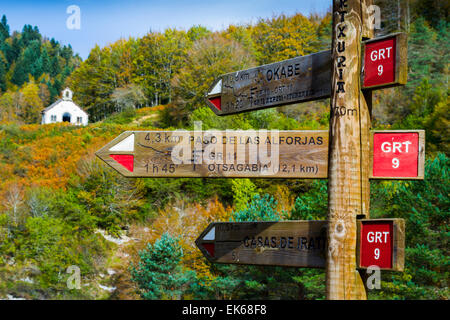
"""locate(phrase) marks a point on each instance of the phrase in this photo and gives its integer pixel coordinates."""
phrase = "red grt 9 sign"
(395, 154)
(379, 62)
(376, 246)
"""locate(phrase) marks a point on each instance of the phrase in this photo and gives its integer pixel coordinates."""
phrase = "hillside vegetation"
(134, 238)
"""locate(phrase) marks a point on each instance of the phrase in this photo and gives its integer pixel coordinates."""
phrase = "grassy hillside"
(61, 209)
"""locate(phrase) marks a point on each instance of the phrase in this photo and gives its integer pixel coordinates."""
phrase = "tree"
(29, 34)
(158, 273)
(243, 191)
(30, 103)
(9, 106)
(197, 32)
(159, 56)
(4, 28)
(425, 206)
(312, 204)
(27, 63)
(111, 198)
(103, 72)
(284, 37)
(207, 59)
(422, 55)
(434, 11)
(128, 97)
(45, 62)
(3, 71)
(14, 202)
(259, 209)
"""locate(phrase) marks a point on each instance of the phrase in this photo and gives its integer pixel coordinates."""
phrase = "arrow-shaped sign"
(306, 78)
(290, 81)
(395, 154)
(287, 243)
(236, 154)
(300, 243)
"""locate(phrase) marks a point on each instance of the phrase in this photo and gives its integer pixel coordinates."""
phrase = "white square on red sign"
(395, 154)
(379, 62)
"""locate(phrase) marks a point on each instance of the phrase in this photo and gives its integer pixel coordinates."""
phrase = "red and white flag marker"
(214, 95)
(126, 160)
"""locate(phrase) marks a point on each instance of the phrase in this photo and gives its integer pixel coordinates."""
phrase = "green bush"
(259, 209)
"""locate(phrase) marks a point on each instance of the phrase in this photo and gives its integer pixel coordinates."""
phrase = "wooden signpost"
(287, 243)
(380, 242)
(396, 154)
(232, 154)
(290, 81)
(348, 166)
(349, 154)
(306, 78)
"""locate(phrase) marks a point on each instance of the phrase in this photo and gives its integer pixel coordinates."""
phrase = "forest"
(134, 238)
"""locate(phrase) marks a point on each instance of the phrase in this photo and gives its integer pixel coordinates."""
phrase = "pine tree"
(3, 71)
(159, 274)
(434, 11)
(30, 34)
(55, 67)
(45, 61)
(14, 50)
(4, 28)
(27, 63)
(422, 55)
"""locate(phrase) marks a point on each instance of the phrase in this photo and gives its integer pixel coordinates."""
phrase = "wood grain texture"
(304, 151)
(344, 167)
(368, 32)
(286, 243)
(296, 80)
(368, 21)
(239, 154)
(290, 81)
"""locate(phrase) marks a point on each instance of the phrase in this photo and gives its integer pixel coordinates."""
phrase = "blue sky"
(104, 22)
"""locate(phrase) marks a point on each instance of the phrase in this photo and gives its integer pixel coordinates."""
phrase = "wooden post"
(348, 166)
(365, 100)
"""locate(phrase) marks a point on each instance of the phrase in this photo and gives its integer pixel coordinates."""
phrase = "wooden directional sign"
(306, 78)
(381, 242)
(290, 81)
(252, 154)
(234, 154)
(287, 243)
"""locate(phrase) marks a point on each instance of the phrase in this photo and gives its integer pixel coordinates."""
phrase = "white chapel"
(65, 110)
